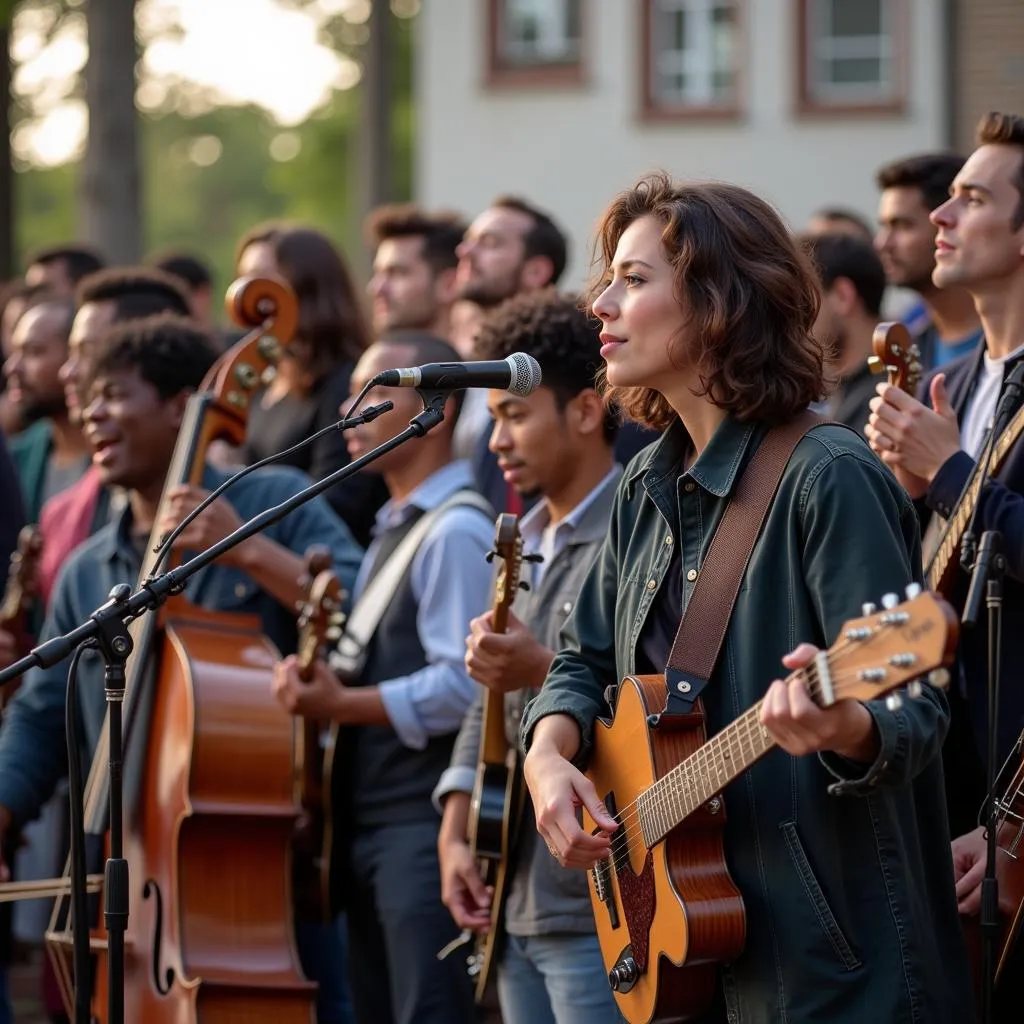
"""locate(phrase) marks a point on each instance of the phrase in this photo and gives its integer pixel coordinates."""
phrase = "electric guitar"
(19, 592)
(498, 792)
(665, 907)
(320, 624)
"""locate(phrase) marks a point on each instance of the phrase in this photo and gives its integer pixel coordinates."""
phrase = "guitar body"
(673, 910)
(495, 811)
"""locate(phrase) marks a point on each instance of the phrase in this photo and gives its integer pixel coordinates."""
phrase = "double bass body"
(210, 809)
(209, 935)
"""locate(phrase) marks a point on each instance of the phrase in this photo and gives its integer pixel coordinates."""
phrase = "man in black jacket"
(979, 246)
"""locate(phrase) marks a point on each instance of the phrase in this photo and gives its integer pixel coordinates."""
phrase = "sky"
(269, 56)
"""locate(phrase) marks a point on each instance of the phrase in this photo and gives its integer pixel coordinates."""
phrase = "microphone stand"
(106, 629)
(988, 572)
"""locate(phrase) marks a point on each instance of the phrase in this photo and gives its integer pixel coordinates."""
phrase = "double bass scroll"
(210, 810)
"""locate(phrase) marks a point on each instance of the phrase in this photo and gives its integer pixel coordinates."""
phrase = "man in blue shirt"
(401, 709)
(948, 326)
(140, 386)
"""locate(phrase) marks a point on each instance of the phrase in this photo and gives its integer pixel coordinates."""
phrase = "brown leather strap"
(706, 618)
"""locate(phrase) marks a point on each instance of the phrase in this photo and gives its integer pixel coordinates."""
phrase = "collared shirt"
(545, 538)
(451, 582)
(32, 747)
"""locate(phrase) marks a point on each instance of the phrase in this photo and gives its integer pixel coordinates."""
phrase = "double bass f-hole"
(162, 979)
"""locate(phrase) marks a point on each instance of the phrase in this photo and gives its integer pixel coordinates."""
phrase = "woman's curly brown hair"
(749, 292)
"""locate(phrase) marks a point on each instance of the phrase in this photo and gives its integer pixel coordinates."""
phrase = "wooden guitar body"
(495, 810)
(666, 916)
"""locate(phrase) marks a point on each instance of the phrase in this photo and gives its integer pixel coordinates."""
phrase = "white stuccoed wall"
(570, 149)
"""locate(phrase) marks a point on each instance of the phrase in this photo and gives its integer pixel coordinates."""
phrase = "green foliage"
(206, 209)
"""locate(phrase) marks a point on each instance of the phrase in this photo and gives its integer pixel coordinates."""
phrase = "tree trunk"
(6, 170)
(109, 186)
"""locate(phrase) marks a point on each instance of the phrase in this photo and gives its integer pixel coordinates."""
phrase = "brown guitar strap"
(706, 617)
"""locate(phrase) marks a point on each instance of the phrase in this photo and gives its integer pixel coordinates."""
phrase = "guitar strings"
(630, 824)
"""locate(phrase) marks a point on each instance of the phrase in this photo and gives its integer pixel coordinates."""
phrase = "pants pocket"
(827, 920)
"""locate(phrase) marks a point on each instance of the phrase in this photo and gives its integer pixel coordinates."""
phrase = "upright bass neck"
(218, 411)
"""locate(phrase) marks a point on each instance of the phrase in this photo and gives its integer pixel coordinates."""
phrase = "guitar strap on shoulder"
(349, 658)
(706, 618)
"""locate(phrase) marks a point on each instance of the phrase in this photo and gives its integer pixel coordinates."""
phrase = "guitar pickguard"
(637, 898)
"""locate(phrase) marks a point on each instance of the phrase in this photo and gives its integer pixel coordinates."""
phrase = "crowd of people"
(856, 845)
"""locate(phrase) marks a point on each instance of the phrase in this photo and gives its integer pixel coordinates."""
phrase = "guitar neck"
(705, 773)
(949, 549)
(493, 742)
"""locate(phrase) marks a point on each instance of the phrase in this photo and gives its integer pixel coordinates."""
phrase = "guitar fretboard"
(949, 549)
(693, 782)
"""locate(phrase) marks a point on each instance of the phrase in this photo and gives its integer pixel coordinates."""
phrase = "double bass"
(209, 805)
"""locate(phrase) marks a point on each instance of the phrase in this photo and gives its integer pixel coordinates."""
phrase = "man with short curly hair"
(556, 444)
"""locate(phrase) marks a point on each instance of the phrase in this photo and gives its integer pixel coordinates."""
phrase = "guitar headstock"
(896, 353)
(23, 574)
(887, 649)
(508, 549)
(321, 619)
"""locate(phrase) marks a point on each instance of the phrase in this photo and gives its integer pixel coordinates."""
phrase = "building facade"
(568, 101)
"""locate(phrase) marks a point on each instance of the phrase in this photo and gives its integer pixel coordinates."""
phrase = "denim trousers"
(554, 979)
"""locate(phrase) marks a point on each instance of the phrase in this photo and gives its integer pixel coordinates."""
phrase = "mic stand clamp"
(988, 570)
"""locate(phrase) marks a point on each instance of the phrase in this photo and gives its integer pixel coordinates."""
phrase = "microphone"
(519, 374)
(1008, 401)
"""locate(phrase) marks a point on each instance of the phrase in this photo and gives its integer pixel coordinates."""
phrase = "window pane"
(539, 31)
(856, 17)
(692, 52)
(864, 71)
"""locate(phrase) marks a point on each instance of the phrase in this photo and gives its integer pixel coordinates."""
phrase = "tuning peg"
(894, 702)
(333, 634)
(868, 608)
(875, 365)
(890, 600)
(912, 590)
(337, 619)
(939, 677)
(914, 688)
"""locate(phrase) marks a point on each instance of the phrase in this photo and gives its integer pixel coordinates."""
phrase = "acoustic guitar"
(498, 793)
(666, 910)
(320, 624)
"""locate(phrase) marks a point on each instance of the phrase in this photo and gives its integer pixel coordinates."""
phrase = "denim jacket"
(844, 868)
(33, 756)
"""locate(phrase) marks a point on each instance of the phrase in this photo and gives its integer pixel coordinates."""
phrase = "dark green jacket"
(31, 452)
(845, 869)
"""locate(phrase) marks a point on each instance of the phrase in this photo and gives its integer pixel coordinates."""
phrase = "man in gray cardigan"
(558, 444)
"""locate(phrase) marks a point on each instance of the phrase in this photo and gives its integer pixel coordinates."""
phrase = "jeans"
(554, 979)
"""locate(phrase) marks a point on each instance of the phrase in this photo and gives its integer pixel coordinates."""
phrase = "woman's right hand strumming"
(558, 789)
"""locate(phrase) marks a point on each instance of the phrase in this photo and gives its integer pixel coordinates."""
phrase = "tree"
(110, 190)
(6, 164)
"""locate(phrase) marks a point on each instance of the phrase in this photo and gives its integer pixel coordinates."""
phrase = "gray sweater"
(543, 897)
